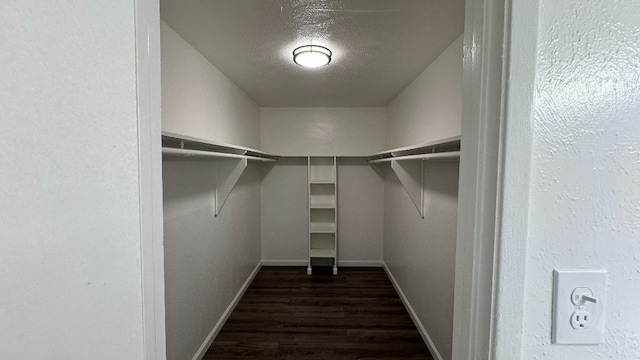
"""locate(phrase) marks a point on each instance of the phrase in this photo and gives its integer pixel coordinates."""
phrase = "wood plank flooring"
(287, 314)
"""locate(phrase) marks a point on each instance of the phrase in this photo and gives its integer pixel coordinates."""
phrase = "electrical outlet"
(580, 320)
(578, 306)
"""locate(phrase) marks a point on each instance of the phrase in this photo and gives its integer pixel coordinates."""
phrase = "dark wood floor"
(286, 314)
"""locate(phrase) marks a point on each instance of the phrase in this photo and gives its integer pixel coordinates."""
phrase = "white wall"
(420, 253)
(70, 248)
(285, 209)
(200, 101)
(430, 107)
(322, 131)
(585, 184)
(360, 212)
(208, 258)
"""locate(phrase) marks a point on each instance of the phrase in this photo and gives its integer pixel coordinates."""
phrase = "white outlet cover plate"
(565, 281)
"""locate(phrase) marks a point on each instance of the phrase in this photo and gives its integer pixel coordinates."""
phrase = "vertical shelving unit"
(323, 212)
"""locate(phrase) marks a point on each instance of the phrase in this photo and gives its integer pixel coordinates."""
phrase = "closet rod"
(442, 155)
(200, 153)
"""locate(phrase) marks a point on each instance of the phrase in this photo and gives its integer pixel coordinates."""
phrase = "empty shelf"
(322, 228)
(322, 253)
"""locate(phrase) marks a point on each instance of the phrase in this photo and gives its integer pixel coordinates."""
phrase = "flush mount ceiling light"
(312, 56)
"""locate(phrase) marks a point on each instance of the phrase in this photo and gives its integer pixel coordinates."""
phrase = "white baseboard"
(360, 263)
(284, 263)
(414, 316)
(345, 263)
(216, 329)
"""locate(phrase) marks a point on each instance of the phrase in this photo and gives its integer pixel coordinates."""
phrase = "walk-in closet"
(319, 179)
(266, 163)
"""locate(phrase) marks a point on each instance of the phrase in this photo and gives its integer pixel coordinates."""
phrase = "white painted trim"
(345, 263)
(499, 73)
(361, 263)
(478, 236)
(147, 36)
(521, 31)
(225, 315)
(285, 263)
(416, 320)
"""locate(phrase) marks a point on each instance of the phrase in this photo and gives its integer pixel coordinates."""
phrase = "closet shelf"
(322, 205)
(447, 148)
(411, 173)
(438, 155)
(322, 228)
(322, 177)
(232, 160)
(176, 145)
(322, 253)
(201, 154)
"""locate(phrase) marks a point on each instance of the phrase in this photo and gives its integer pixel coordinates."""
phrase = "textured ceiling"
(379, 46)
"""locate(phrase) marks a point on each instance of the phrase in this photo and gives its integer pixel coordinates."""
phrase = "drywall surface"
(207, 258)
(360, 212)
(430, 107)
(70, 271)
(322, 131)
(585, 183)
(285, 212)
(420, 253)
(200, 101)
